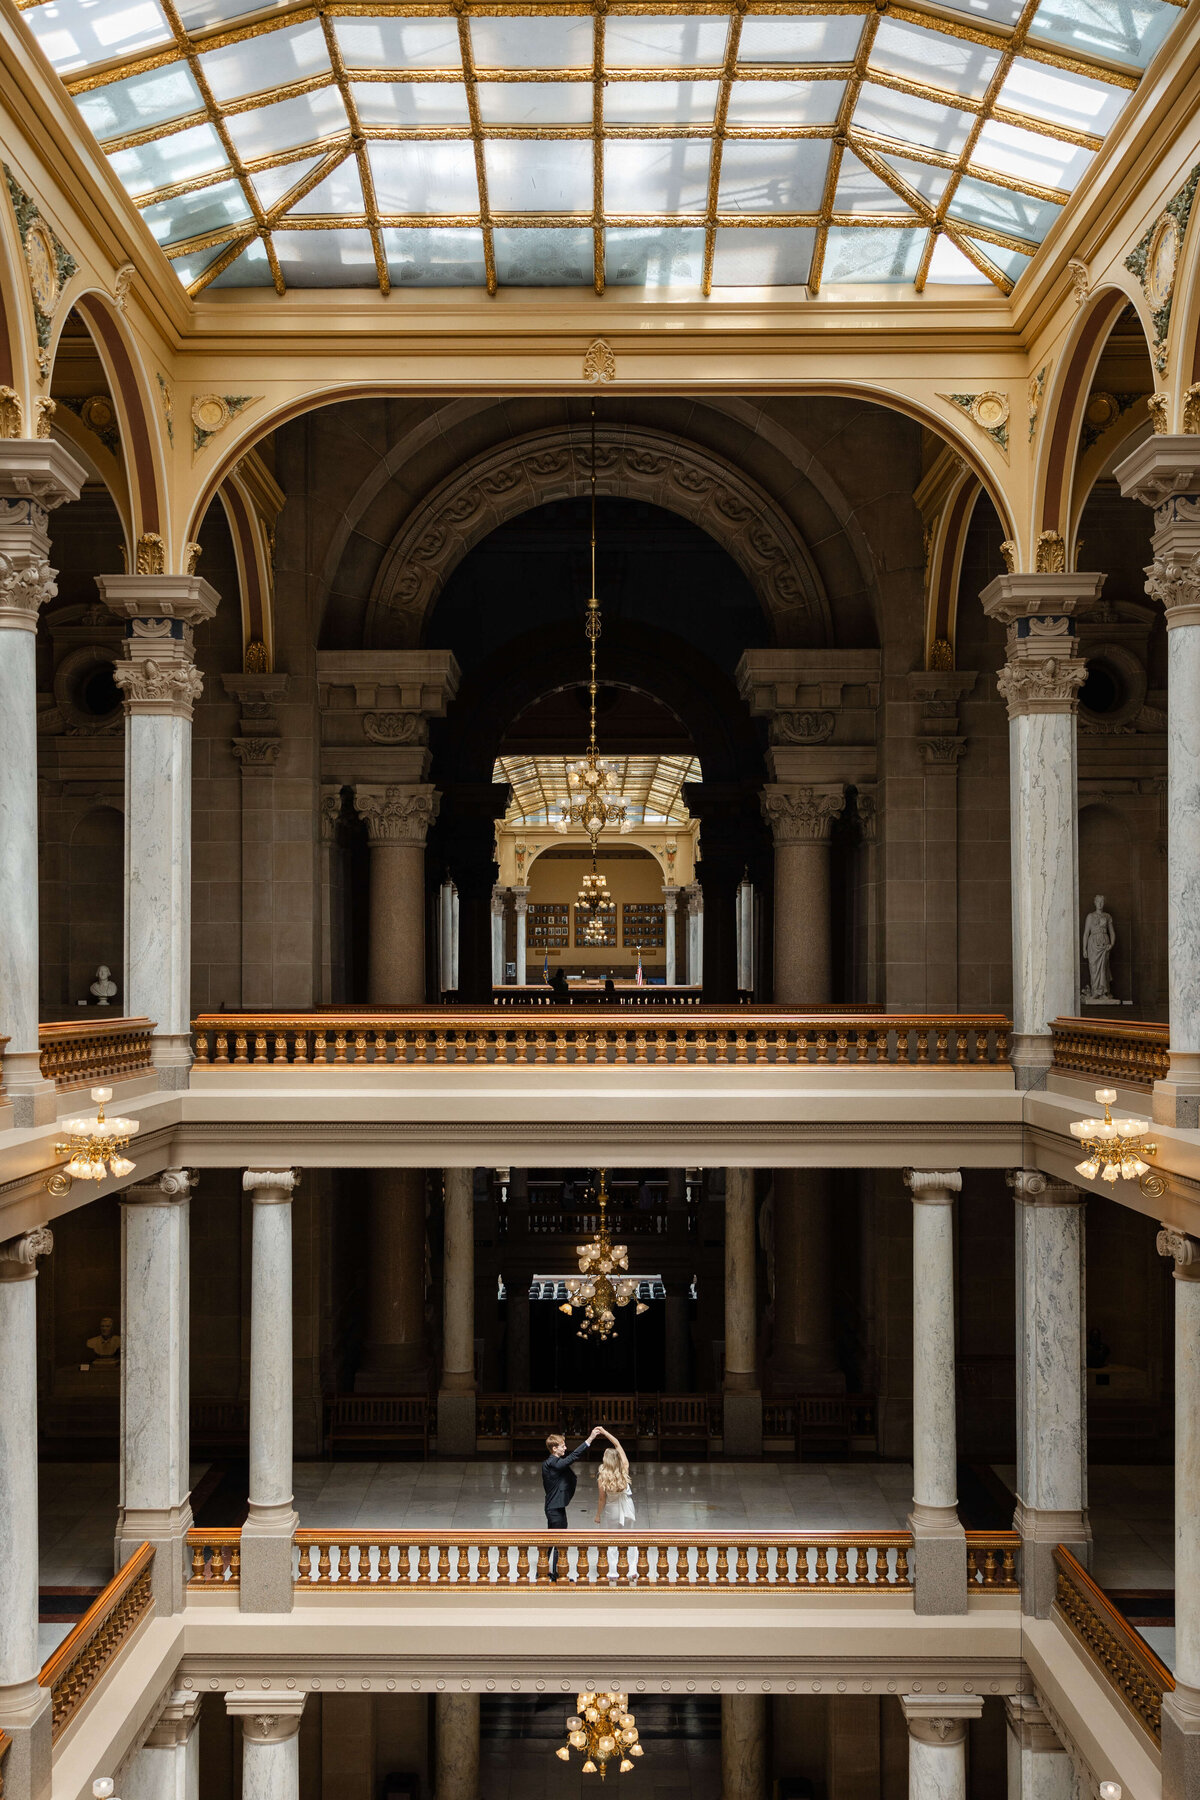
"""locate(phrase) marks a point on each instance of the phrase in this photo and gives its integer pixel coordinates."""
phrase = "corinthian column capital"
(395, 814)
(802, 815)
(158, 676)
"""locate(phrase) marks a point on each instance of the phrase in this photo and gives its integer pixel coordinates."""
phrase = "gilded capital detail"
(396, 815)
(1044, 672)
(802, 815)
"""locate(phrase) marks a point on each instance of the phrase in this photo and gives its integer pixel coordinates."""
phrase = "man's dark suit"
(558, 1479)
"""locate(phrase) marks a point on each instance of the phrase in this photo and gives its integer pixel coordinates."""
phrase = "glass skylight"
(651, 786)
(325, 145)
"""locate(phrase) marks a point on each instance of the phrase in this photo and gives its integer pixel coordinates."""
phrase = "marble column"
(937, 1743)
(670, 903)
(161, 683)
(801, 819)
(939, 1546)
(804, 1358)
(24, 1706)
(456, 1734)
(167, 1767)
(155, 1392)
(1051, 1391)
(1181, 1710)
(456, 1397)
(266, 1584)
(398, 819)
(270, 1741)
(742, 1396)
(36, 475)
(521, 903)
(744, 1747)
(395, 1358)
(1164, 473)
(498, 894)
(1040, 682)
(1038, 1766)
(694, 895)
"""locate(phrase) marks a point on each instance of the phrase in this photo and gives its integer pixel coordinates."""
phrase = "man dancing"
(558, 1479)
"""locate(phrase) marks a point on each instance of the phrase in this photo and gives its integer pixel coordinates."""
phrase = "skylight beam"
(358, 144)
(598, 149)
(470, 81)
(720, 115)
(866, 44)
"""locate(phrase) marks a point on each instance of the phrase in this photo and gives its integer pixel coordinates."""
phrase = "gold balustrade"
(1124, 1659)
(91, 1648)
(562, 1036)
(216, 1556)
(1133, 1052)
(874, 1562)
(76, 1054)
(5, 1740)
(992, 1561)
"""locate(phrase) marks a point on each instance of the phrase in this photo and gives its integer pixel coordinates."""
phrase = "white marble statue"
(1099, 939)
(104, 987)
(106, 1346)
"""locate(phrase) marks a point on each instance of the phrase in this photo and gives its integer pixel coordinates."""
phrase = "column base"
(1180, 1744)
(26, 1715)
(1175, 1101)
(171, 1055)
(1040, 1530)
(267, 1581)
(939, 1560)
(1032, 1057)
(455, 1423)
(34, 1099)
(166, 1527)
(742, 1431)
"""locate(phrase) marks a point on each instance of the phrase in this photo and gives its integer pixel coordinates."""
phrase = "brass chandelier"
(1115, 1148)
(604, 1729)
(96, 1143)
(603, 1283)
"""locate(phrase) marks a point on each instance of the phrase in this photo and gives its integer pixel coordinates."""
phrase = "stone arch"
(633, 463)
(656, 855)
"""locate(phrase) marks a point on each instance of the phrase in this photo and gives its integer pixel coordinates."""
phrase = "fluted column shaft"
(35, 476)
(155, 1324)
(743, 1398)
(940, 1544)
(801, 819)
(266, 1580)
(398, 820)
(1051, 1395)
(937, 1744)
(24, 1713)
(1181, 1709)
(456, 1399)
(270, 1742)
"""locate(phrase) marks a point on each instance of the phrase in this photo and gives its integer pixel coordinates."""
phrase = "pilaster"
(375, 711)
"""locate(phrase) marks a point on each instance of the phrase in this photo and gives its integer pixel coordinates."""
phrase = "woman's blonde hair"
(611, 1475)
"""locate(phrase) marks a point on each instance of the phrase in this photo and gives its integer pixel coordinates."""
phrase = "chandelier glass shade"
(603, 1731)
(603, 1283)
(1115, 1147)
(95, 1142)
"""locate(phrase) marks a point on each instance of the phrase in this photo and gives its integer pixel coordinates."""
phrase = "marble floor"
(1133, 1524)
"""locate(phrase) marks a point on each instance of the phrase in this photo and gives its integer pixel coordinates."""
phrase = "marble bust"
(1099, 939)
(106, 1346)
(104, 987)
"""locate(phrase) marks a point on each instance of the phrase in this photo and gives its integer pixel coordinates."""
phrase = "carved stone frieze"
(394, 727)
(801, 727)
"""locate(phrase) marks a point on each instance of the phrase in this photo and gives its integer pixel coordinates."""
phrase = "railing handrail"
(77, 1052)
(122, 1604)
(1132, 1669)
(1132, 1051)
(591, 1020)
(58, 1029)
(597, 1536)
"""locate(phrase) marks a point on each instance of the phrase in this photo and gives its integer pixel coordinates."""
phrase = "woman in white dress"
(612, 1483)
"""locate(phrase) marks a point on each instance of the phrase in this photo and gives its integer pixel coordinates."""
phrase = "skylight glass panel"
(190, 268)
(1028, 156)
(1061, 96)
(910, 120)
(823, 38)
(77, 33)
(785, 102)
(542, 175)
(190, 215)
(1009, 262)
(661, 41)
(861, 191)
(979, 203)
(260, 64)
(141, 101)
(340, 194)
(933, 57)
(535, 102)
(1127, 31)
(929, 182)
(250, 269)
(544, 257)
(775, 175)
(165, 161)
(999, 12)
(543, 43)
(436, 177)
(270, 185)
(391, 43)
(653, 257)
(660, 102)
(948, 264)
(306, 119)
(410, 103)
(864, 253)
(326, 259)
(199, 15)
(656, 175)
(763, 256)
(435, 258)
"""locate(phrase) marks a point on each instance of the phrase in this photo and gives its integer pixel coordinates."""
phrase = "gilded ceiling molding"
(631, 463)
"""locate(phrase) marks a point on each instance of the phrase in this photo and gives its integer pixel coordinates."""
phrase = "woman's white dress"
(623, 1505)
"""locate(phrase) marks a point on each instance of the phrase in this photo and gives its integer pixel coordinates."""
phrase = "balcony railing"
(464, 1039)
(1124, 1659)
(76, 1054)
(1133, 1052)
(84, 1656)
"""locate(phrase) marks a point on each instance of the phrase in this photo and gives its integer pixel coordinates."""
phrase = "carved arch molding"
(631, 463)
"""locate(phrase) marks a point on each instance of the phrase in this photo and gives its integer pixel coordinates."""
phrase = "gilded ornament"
(121, 284)
(42, 265)
(49, 263)
(941, 654)
(44, 410)
(254, 662)
(1161, 261)
(99, 414)
(1008, 551)
(599, 363)
(1156, 405)
(1191, 410)
(12, 421)
(990, 410)
(168, 406)
(1050, 554)
(192, 552)
(1081, 284)
(210, 412)
(1102, 410)
(151, 558)
(1155, 258)
(1037, 390)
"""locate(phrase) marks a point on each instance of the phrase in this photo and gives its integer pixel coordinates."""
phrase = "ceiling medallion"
(990, 410)
(210, 412)
(43, 267)
(1161, 260)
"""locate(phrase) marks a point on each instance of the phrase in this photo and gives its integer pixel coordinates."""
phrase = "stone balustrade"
(1132, 1052)
(449, 1036)
(1124, 1659)
(76, 1054)
(91, 1648)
